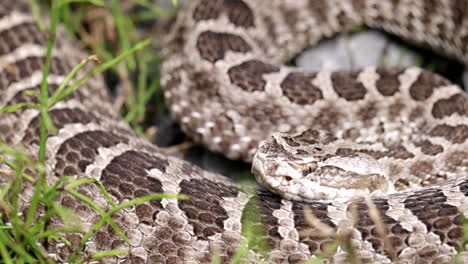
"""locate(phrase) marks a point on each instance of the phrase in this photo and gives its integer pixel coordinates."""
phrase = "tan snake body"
(219, 85)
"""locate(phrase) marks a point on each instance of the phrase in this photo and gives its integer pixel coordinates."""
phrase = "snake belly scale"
(223, 81)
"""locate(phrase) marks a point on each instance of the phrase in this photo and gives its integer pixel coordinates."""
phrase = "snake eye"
(288, 178)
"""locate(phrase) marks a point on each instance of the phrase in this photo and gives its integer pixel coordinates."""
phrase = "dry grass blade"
(319, 229)
(346, 235)
(375, 216)
(6, 173)
(9, 67)
(341, 238)
(179, 147)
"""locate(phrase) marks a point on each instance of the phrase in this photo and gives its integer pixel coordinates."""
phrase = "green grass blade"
(103, 214)
(103, 67)
(109, 253)
(16, 107)
(62, 3)
(3, 250)
(18, 249)
(60, 90)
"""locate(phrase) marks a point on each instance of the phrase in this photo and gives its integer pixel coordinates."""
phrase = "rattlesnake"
(219, 85)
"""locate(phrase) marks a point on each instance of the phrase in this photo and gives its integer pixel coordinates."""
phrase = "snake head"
(312, 165)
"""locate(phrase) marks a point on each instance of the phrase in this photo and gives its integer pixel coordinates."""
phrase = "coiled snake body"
(222, 83)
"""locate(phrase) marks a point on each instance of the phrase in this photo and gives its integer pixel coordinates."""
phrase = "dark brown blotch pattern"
(424, 86)
(313, 136)
(203, 208)
(316, 240)
(273, 148)
(456, 134)
(9, 130)
(398, 152)
(393, 151)
(346, 85)
(6, 8)
(19, 35)
(60, 118)
(248, 75)
(213, 46)
(24, 68)
(394, 234)
(455, 104)
(388, 83)
(439, 217)
(428, 147)
(265, 204)
(298, 88)
(127, 177)
(77, 152)
(238, 12)
(23, 97)
(422, 169)
(208, 9)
